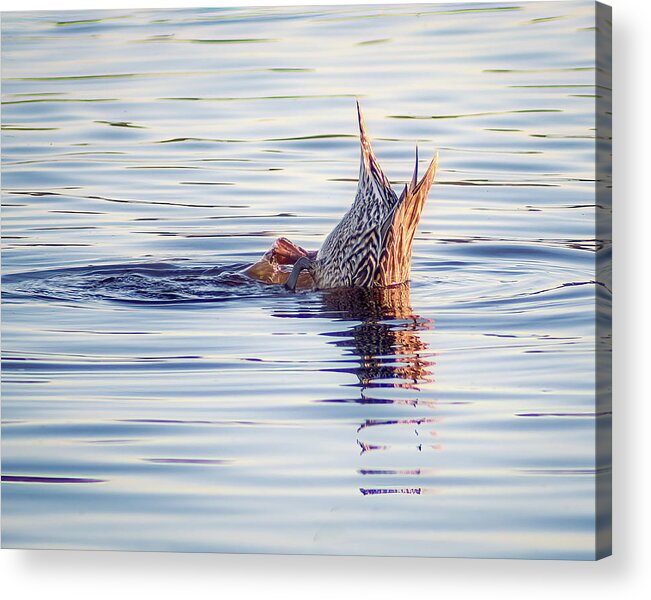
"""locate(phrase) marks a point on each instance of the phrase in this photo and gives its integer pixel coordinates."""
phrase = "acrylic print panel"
(158, 394)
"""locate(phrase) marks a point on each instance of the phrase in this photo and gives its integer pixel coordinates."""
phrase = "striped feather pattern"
(371, 245)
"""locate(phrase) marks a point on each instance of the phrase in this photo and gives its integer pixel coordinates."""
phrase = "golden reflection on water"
(390, 354)
(387, 342)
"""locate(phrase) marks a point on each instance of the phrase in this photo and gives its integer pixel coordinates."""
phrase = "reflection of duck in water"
(382, 346)
(371, 245)
(392, 363)
(386, 341)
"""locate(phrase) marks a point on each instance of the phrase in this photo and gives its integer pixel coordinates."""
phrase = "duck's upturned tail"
(371, 245)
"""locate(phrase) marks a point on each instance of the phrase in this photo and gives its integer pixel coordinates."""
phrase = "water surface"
(155, 399)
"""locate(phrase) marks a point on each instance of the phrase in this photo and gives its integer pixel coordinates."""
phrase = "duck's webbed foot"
(301, 264)
(285, 252)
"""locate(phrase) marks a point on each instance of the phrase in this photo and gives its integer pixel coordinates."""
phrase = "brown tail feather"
(395, 263)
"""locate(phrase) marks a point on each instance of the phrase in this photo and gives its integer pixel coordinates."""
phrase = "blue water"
(153, 398)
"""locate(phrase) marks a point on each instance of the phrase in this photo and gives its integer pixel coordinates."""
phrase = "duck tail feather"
(414, 178)
(424, 185)
(369, 164)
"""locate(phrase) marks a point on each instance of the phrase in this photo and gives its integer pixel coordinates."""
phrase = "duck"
(370, 247)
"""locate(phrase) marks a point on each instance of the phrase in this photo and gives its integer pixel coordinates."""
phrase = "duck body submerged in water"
(370, 246)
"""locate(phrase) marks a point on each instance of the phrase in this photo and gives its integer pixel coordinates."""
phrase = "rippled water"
(155, 398)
